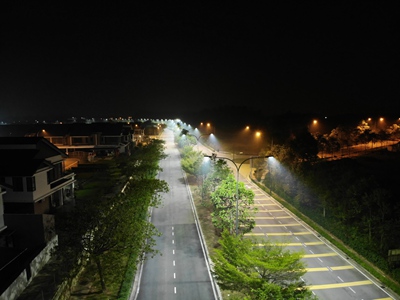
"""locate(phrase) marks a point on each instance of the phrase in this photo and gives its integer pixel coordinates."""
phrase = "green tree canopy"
(224, 202)
(111, 221)
(192, 161)
(144, 161)
(259, 272)
(304, 146)
(217, 172)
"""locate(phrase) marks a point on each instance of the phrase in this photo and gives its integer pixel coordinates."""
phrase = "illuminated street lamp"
(313, 127)
(214, 157)
(208, 127)
(248, 139)
(41, 133)
(211, 127)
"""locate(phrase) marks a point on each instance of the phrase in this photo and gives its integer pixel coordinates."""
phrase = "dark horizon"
(167, 61)
(223, 115)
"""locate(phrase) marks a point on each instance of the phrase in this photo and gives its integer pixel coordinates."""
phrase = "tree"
(192, 161)
(377, 209)
(282, 154)
(119, 223)
(218, 171)
(322, 143)
(104, 234)
(346, 136)
(183, 140)
(266, 272)
(304, 146)
(259, 164)
(333, 144)
(280, 176)
(224, 202)
(144, 161)
(383, 136)
(191, 139)
(108, 223)
(365, 137)
(394, 131)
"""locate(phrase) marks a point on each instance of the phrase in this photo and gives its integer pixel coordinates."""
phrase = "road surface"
(330, 274)
(181, 272)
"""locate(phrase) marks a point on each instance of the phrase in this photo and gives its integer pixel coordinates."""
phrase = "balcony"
(63, 181)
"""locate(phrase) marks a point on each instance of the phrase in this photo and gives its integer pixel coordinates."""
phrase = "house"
(33, 173)
(34, 184)
(10, 257)
(80, 141)
(138, 133)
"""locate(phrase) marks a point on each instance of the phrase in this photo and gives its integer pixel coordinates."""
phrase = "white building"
(33, 184)
(33, 175)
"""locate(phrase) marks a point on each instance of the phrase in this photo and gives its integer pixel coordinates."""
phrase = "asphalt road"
(181, 272)
(330, 274)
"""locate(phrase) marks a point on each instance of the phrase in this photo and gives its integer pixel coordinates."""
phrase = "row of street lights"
(208, 126)
(375, 124)
(237, 165)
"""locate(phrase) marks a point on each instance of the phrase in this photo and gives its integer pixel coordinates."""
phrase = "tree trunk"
(101, 275)
(369, 231)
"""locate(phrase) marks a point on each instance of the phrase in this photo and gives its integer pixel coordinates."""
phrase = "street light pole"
(186, 132)
(213, 157)
(198, 138)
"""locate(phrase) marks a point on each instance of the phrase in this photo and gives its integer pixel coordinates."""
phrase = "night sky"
(164, 58)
